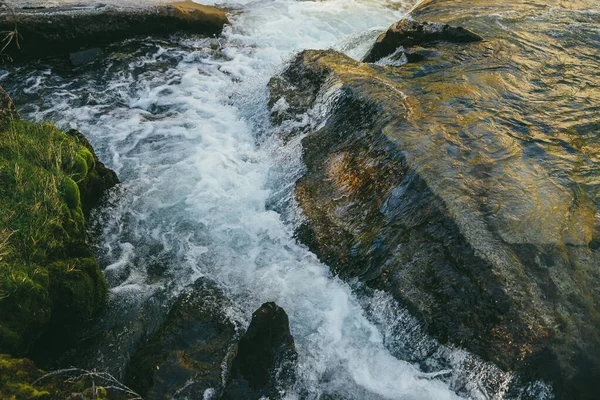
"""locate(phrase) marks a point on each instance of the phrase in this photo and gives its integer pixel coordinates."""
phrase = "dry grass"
(8, 37)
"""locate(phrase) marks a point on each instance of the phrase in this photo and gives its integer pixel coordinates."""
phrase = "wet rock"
(413, 55)
(66, 29)
(185, 358)
(291, 111)
(85, 57)
(264, 365)
(409, 33)
(390, 200)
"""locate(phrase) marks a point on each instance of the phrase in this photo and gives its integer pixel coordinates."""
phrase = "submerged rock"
(188, 356)
(66, 29)
(85, 56)
(409, 33)
(492, 255)
(266, 356)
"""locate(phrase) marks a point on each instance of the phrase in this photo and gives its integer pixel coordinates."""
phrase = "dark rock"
(408, 33)
(86, 56)
(264, 365)
(8, 111)
(60, 30)
(387, 201)
(186, 356)
(415, 55)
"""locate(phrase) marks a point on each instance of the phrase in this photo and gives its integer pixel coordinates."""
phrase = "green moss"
(16, 376)
(83, 165)
(71, 193)
(88, 157)
(48, 275)
(20, 379)
(80, 167)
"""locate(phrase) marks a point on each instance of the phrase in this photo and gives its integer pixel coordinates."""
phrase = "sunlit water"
(207, 191)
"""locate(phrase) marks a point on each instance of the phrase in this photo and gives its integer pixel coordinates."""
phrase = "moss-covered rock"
(49, 278)
(91, 175)
(16, 378)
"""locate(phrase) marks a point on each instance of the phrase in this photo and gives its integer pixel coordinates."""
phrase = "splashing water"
(184, 122)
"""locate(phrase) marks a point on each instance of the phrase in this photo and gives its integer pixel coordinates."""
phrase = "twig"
(12, 35)
(102, 377)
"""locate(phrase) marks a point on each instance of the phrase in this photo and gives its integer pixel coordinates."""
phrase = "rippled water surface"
(529, 95)
(207, 188)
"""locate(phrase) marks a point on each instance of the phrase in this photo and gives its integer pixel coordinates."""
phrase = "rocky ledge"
(416, 185)
(67, 29)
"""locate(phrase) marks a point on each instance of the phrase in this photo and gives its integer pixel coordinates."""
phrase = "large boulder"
(66, 29)
(188, 356)
(264, 365)
(418, 190)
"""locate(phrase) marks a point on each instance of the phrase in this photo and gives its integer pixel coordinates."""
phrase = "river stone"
(386, 202)
(409, 33)
(71, 28)
(264, 365)
(186, 356)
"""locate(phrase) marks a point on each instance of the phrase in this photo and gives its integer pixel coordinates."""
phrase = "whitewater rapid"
(207, 191)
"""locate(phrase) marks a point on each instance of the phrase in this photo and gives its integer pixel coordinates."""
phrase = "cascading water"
(207, 192)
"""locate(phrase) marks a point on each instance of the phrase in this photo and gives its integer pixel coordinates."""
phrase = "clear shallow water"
(207, 192)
